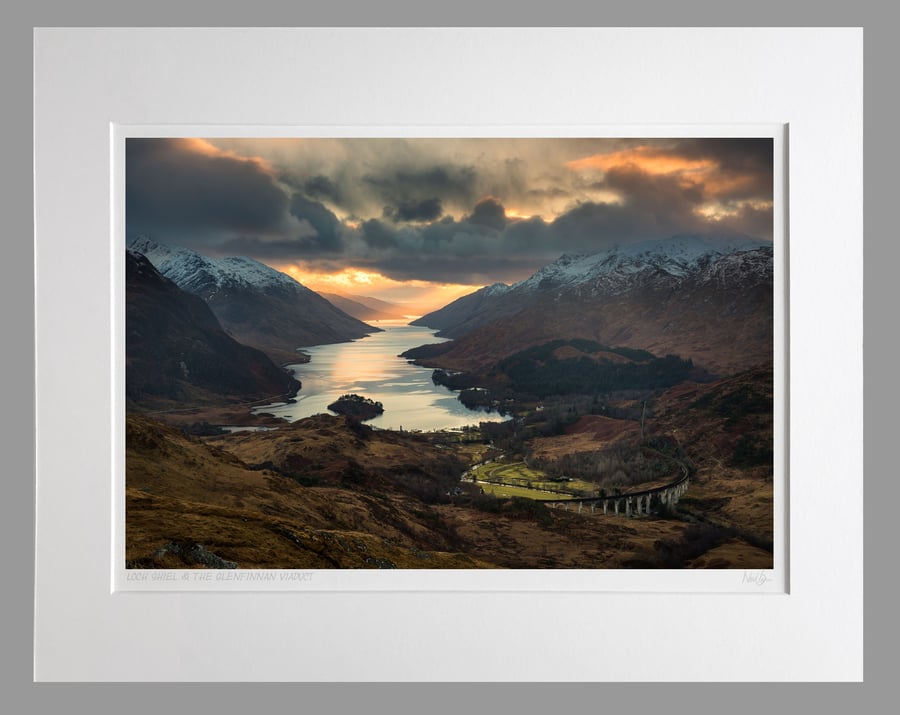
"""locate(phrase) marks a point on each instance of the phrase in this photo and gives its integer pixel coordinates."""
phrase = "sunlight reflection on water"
(371, 367)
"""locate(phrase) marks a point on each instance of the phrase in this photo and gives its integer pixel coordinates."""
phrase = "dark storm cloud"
(340, 190)
(661, 201)
(452, 269)
(262, 249)
(377, 235)
(532, 237)
(551, 192)
(731, 154)
(402, 184)
(753, 221)
(745, 168)
(653, 206)
(174, 187)
(446, 250)
(325, 224)
(321, 187)
(460, 238)
(407, 211)
(490, 213)
(659, 205)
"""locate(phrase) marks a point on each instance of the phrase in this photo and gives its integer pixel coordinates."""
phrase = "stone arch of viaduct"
(632, 504)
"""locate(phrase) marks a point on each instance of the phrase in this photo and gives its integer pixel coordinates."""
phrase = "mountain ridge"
(256, 304)
(694, 296)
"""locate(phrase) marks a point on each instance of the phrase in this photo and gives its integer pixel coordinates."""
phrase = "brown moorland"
(726, 428)
(328, 493)
(589, 434)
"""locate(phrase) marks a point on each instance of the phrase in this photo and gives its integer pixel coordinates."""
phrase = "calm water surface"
(371, 367)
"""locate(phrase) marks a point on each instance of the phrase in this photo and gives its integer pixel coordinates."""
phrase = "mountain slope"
(470, 311)
(699, 298)
(613, 271)
(256, 304)
(176, 351)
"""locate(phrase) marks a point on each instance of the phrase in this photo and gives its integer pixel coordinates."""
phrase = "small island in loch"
(362, 408)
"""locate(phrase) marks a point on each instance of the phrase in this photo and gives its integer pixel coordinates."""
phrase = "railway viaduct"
(632, 504)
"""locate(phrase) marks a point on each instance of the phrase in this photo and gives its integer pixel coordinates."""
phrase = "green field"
(517, 479)
(502, 491)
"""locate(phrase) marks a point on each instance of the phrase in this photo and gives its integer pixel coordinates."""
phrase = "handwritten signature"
(755, 577)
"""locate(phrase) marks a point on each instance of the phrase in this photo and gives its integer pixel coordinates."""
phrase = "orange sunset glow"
(416, 298)
(206, 148)
(648, 159)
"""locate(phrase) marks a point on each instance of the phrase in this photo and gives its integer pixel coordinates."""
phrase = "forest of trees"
(540, 372)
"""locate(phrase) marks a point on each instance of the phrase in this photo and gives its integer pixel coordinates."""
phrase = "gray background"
(18, 694)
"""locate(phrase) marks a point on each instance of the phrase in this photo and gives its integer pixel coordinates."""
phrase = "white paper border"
(86, 79)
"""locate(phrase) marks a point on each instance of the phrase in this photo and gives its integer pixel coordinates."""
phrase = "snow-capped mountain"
(678, 295)
(255, 303)
(206, 276)
(677, 257)
(664, 263)
(495, 289)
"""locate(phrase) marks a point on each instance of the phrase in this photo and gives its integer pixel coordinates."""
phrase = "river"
(371, 367)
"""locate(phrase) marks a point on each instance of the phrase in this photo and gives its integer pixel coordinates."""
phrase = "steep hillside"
(176, 351)
(256, 304)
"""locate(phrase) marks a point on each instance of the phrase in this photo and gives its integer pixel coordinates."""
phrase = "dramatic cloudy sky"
(423, 221)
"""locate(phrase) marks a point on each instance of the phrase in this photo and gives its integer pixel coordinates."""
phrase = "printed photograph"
(453, 353)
